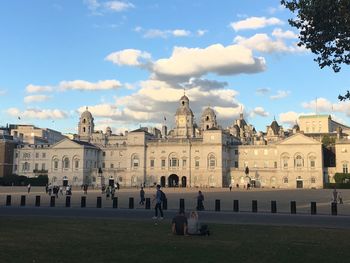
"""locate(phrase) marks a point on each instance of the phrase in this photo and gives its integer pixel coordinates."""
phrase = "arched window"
(76, 164)
(299, 161)
(135, 161)
(207, 119)
(66, 163)
(55, 163)
(211, 161)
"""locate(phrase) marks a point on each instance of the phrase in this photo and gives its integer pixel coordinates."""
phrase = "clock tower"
(184, 119)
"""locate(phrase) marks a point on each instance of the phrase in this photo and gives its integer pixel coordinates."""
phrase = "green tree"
(324, 27)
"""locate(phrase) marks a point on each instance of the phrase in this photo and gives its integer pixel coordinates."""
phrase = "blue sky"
(130, 61)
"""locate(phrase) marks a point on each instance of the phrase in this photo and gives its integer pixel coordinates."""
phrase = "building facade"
(188, 155)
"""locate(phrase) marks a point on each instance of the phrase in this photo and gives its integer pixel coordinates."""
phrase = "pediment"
(299, 138)
(66, 144)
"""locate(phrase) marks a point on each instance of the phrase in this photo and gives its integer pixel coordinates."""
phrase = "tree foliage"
(324, 27)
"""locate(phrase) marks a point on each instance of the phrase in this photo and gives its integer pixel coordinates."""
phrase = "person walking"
(230, 186)
(200, 200)
(158, 199)
(29, 186)
(142, 196)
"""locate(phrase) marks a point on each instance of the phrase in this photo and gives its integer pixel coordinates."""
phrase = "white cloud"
(37, 113)
(325, 106)
(263, 43)
(280, 94)
(92, 4)
(273, 10)
(279, 33)
(35, 88)
(102, 110)
(180, 33)
(201, 32)
(86, 85)
(255, 23)
(289, 117)
(185, 63)
(260, 111)
(36, 98)
(118, 6)
(322, 105)
(228, 113)
(129, 57)
(262, 91)
(154, 33)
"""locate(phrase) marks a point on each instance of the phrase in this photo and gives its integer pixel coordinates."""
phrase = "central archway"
(173, 180)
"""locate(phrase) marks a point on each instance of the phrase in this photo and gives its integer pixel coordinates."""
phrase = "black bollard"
(254, 206)
(68, 201)
(148, 203)
(217, 205)
(115, 202)
(313, 208)
(52, 201)
(83, 202)
(273, 207)
(235, 206)
(131, 202)
(8, 200)
(37, 200)
(99, 202)
(182, 204)
(165, 204)
(293, 207)
(334, 208)
(23, 200)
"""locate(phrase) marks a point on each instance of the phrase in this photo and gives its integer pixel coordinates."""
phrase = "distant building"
(7, 146)
(33, 135)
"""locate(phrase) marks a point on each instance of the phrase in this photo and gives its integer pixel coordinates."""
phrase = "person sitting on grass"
(194, 227)
(179, 224)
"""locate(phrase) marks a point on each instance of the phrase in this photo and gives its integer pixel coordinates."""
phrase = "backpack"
(162, 196)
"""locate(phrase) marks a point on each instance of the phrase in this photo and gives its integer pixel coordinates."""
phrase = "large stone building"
(188, 155)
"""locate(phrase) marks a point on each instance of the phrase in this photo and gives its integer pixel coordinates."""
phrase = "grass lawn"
(31, 239)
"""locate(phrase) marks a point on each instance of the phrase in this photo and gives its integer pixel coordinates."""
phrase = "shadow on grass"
(36, 240)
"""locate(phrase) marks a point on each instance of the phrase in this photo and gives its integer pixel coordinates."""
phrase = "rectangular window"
(236, 152)
(345, 168)
(174, 162)
(312, 163)
(112, 165)
(135, 163)
(275, 164)
(196, 163)
(163, 163)
(36, 155)
(36, 166)
(184, 163)
(236, 164)
(42, 166)
(103, 153)
(103, 165)
(152, 163)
